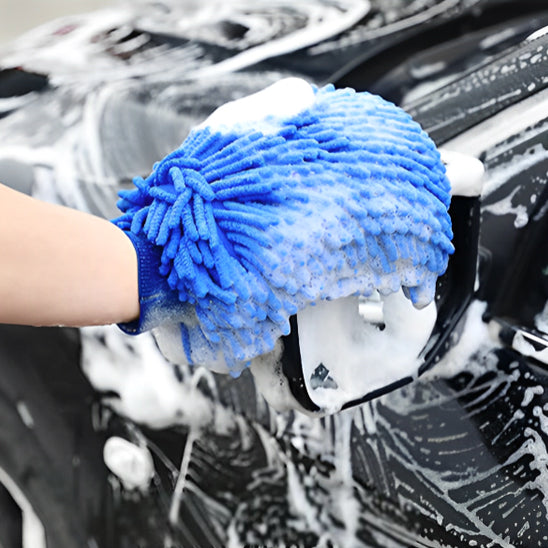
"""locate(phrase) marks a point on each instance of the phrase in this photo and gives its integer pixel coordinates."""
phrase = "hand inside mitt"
(288, 197)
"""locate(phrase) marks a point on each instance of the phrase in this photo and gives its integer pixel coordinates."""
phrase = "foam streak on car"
(457, 458)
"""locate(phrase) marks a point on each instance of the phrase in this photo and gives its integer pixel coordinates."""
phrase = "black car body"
(456, 458)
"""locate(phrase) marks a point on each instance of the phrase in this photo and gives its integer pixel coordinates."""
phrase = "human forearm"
(63, 267)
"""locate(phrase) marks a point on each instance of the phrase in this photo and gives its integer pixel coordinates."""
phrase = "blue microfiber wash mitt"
(265, 209)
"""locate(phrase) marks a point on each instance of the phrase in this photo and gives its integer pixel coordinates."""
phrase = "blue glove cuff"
(157, 301)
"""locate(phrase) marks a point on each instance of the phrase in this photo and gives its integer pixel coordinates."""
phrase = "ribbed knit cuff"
(157, 301)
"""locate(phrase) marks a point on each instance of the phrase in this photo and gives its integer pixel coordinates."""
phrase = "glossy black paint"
(445, 462)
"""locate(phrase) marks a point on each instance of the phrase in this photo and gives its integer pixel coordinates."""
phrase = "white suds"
(261, 110)
(131, 464)
(475, 334)
(271, 382)
(541, 319)
(465, 173)
(345, 357)
(147, 388)
(505, 207)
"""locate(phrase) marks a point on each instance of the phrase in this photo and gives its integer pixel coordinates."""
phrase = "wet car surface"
(457, 458)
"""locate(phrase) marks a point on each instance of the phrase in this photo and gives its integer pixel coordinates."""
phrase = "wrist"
(156, 301)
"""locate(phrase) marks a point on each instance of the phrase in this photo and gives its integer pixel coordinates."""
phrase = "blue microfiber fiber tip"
(348, 196)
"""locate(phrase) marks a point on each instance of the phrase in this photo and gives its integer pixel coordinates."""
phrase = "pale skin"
(61, 266)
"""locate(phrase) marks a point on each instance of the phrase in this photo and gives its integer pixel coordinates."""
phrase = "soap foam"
(360, 357)
(264, 109)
